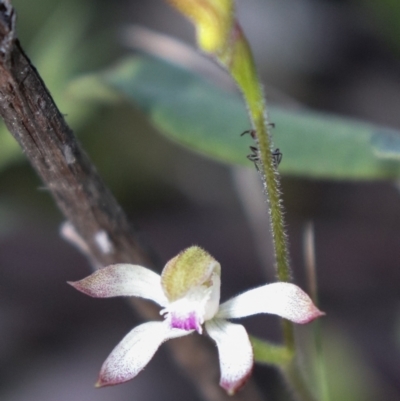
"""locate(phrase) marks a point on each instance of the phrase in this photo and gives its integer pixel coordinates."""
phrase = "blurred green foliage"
(209, 120)
(386, 17)
(347, 372)
(55, 36)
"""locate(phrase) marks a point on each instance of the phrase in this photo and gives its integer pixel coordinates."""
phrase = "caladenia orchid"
(188, 291)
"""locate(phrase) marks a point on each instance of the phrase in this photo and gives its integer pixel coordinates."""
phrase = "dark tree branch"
(34, 120)
(98, 221)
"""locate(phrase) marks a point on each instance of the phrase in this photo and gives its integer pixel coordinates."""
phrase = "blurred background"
(341, 56)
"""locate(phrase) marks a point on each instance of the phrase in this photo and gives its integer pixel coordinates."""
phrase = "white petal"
(235, 353)
(123, 280)
(134, 352)
(282, 299)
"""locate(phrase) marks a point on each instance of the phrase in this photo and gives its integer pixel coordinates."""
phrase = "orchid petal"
(235, 353)
(282, 299)
(123, 280)
(134, 352)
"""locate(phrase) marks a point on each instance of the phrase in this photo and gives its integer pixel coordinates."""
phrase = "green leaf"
(271, 354)
(199, 115)
(90, 88)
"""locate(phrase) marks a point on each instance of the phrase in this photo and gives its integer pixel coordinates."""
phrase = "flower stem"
(241, 66)
(243, 70)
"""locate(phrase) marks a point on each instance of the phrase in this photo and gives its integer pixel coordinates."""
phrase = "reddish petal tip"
(88, 287)
(78, 286)
(233, 387)
(315, 313)
(104, 383)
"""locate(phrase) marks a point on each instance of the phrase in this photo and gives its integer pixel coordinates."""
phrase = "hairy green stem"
(244, 72)
(242, 67)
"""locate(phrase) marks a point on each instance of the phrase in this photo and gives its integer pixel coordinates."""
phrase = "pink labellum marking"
(190, 322)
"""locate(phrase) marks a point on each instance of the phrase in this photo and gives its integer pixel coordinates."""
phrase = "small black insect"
(277, 156)
(252, 133)
(254, 156)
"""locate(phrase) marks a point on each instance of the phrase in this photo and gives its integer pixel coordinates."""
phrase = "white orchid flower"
(188, 290)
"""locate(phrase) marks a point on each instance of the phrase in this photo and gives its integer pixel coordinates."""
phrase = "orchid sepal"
(235, 353)
(286, 300)
(134, 352)
(123, 280)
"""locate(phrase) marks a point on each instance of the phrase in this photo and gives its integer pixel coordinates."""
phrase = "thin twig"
(311, 270)
(33, 119)
(309, 260)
